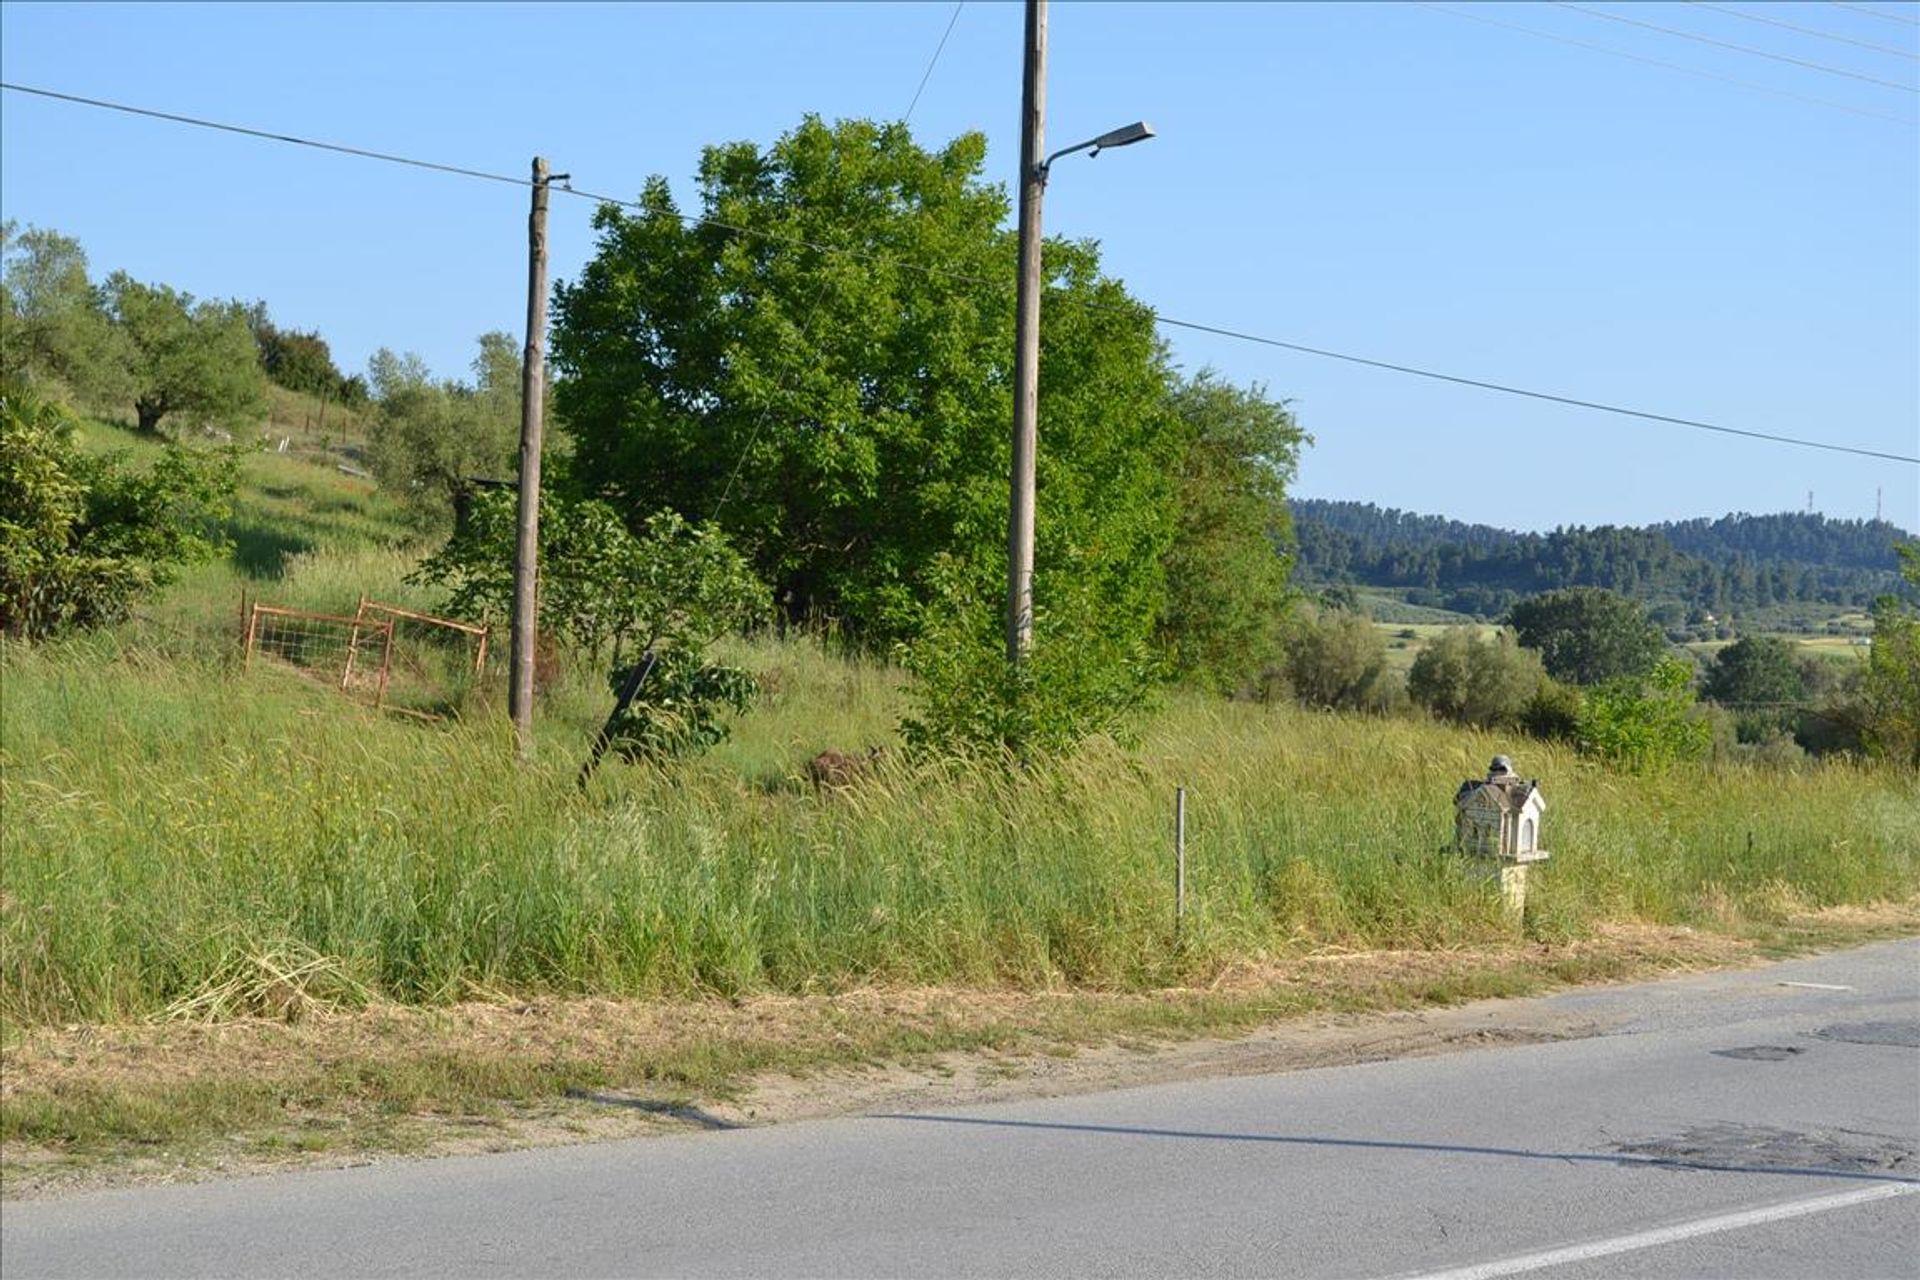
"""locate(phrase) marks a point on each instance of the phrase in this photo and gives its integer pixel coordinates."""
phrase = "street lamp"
(1125, 136)
(1034, 164)
(1026, 326)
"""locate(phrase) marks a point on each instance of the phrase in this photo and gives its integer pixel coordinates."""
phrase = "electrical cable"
(1732, 12)
(1574, 401)
(1194, 325)
(289, 138)
(1670, 66)
(934, 60)
(766, 411)
(1882, 14)
(1737, 48)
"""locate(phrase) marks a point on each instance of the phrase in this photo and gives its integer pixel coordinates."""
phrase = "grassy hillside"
(182, 835)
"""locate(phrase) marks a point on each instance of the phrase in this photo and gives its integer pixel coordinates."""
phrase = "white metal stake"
(1179, 858)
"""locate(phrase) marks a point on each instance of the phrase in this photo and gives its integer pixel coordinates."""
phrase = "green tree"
(296, 360)
(431, 441)
(1233, 546)
(1887, 707)
(1756, 671)
(668, 592)
(52, 324)
(784, 365)
(674, 585)
(1470, 680)
(1643, 723)
(1587, 635)
(1763, 681)
(197, 360)
(82, 537)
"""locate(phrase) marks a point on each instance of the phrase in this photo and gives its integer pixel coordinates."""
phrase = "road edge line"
(1668, 1235)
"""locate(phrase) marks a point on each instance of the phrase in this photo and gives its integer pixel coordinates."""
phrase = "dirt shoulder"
(88, 1107)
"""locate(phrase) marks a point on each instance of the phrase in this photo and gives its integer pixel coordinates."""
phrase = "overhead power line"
(1882, 14)
(1238, 335)
(1737, 48)
(934, 61)
(1670, 66)
(1548, 396)
(1732, 12)
(813, 308)
(269, 136)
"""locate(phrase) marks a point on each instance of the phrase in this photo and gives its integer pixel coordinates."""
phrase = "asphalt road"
(1733, 1125)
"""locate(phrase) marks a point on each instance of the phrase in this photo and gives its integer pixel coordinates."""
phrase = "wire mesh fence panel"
(318, 646)
(437, 666)
(395, 659)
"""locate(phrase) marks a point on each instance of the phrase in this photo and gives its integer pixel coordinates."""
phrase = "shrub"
(82, 537)
(1080, 680)
(1887, 707)
(1468, 680)
(669, 592)
(681, 707)
(1553, 711)
(1336, 659)
(1645, 724)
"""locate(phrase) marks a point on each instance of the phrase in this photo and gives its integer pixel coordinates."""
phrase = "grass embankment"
(177, 833)
(183, 841)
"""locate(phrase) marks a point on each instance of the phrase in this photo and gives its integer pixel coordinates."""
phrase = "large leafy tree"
(1756, 671)
(787, 365)
(197, 360)
(1764, 681)
(1233, 545)
(52, 324)
(1587, 635)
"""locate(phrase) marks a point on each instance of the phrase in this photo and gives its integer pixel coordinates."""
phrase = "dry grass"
(189, 1098)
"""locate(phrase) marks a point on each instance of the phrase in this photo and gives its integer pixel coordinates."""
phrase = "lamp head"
(1124, 136)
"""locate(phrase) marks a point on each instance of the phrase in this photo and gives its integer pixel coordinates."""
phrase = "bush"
(1887, 706)
(681, 707)
(1078, 682)
(1646, 724)
(1776, 751)
(82, 537)
(1553, 711)
(1337, 660)
(670, 591)
(1468, 680)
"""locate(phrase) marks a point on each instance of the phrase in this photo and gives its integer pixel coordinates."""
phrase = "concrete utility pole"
(526, 551)
(1026, 341)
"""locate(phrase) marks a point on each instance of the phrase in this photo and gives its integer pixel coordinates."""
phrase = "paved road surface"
(1645, 1151)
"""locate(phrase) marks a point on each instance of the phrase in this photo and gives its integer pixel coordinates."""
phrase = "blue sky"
(1396, 181)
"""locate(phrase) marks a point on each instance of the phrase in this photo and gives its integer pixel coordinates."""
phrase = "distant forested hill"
(1736, 563)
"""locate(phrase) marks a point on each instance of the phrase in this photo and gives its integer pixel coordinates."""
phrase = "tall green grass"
(176, 833)
(172, 827)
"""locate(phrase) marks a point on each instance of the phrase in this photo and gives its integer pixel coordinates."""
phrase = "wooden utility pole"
(526, 550)
(1026, 342)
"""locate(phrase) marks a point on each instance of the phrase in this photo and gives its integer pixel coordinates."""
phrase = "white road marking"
(1667, 1235)
(1817, 986)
